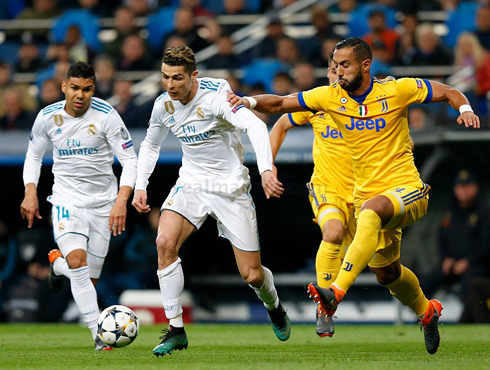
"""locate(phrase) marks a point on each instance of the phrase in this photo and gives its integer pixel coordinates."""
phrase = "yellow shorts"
(329, 206)
(410, 204)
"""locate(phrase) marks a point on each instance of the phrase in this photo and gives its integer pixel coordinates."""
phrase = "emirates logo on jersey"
(200, 114)
(169, 107)
(58, 120)
(92, 130)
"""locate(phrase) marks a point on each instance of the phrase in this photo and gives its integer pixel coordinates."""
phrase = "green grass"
(36, 346)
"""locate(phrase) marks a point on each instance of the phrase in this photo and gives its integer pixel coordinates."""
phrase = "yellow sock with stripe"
(361, 250)
(327, 263)
(407, 290)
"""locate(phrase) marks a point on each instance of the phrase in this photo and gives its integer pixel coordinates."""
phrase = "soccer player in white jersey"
(85, 132)
(212, 181)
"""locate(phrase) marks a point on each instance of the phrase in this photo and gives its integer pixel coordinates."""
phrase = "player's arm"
(256, 130)
(457, 100)
(147, 159)
(122, 145)
(32, 170)
(277, 136)
(268, 103)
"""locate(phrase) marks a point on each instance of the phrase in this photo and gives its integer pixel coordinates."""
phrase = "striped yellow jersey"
(333, 164)
(375, 129)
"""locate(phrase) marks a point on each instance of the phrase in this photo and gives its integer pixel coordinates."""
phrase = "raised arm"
(457, 100)
(271, 104)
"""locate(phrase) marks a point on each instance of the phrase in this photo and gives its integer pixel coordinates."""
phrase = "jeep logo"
(378, 124)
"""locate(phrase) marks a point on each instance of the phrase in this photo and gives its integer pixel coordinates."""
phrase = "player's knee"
(334, 235)
(386, 275)
(253, 277)
(75, 263)
(165, 245)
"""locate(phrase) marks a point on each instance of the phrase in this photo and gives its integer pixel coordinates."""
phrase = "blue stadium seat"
(459, 20)
(8, 52)
(85, 20)
(217, 7)
(159, 25)
(263, 71)
(358, 24)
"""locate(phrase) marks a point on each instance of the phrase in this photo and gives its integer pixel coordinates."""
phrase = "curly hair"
(181, 55)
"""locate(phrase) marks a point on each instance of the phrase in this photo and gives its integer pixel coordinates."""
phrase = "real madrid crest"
(92, 130)
(169, 203)
(169, 107)
(200, 113)
(58, 120)
(61, 227)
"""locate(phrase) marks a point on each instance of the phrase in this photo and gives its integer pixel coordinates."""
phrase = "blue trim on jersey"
(52, 108)
(302, 102)
(94, 255)
(100, 110)
(102, 103)
(215, 84)
(428, 98)
(290, 116)
(160, 97)
(100, 107)
(360, 98)
(420, 197)
(311, 189)
(408, 195)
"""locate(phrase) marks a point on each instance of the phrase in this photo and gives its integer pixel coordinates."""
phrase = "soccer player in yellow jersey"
(371, 114)
(331, 193)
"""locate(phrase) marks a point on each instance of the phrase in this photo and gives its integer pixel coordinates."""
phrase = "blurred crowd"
(119, 36)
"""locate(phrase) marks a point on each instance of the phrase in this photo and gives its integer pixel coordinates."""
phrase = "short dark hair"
(81, 70)
(361, 48)
(181, 55)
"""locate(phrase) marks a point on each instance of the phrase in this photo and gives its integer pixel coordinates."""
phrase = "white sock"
(171, 280)
(177, 322)
(85, 297)
(60, 267)
(267, 293)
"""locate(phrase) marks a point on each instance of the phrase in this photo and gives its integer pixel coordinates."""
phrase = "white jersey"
(209, 131)
(83, 153)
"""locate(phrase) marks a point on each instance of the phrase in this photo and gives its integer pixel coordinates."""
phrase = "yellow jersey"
(333, 164)
(375, 129)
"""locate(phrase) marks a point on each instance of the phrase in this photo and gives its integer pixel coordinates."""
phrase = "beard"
(353, 85)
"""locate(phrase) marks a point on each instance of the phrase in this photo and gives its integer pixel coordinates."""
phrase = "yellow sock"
(407, 290)
(361, 250)
(327, 263)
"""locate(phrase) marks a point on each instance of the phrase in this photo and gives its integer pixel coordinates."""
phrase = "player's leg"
(260, 279)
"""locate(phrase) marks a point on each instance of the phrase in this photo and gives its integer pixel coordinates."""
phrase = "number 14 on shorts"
(62, 213)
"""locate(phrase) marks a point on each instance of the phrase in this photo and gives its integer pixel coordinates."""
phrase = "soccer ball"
(117, 326)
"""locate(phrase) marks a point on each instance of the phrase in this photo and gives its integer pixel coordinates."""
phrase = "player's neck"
(192, 93)
(366, 84)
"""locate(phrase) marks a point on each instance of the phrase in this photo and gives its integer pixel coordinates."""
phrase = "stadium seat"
(85, 20)
(459, 20)
(159, 25)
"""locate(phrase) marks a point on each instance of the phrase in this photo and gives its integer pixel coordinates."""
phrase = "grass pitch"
(57, 346)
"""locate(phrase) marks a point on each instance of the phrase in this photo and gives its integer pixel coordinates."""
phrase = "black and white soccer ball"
(117, 326)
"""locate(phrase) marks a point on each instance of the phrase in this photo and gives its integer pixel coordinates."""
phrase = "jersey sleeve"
(315, 100)
(413, 90)
(122, 145)
(300, 118)
(245, 120)
(38, 142)
(150, 148)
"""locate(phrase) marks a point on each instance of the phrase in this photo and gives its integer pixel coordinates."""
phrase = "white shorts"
(235, 213)
(92, 223)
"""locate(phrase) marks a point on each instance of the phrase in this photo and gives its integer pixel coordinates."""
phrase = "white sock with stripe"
(85, 297)
(171, 280)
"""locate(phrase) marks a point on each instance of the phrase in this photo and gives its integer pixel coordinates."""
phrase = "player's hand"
(30, 208)
(236, 100)
(461, 266)
(139, 201)
(469, 119)
(447, 265)
(117, 218)
(272, 186)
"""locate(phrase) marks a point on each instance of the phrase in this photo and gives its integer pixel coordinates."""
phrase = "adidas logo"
(58, 131)
(342, 109)
(172, 120)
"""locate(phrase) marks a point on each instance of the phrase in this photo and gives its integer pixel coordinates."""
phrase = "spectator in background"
(50, 93)
(133, 116)
(405, 45)
(483, 26)
(236, 85)
(344, 6)
(224, 59)
(463, 239)
(379, 32)
(105, 72)
(124, 26)
(328, 45)
(16, 117)
(267, 46)
(282, 84)
(95, 7)
(469, 52)
(312, 46)
(287, 52)
(184, 27)
(41, 9)
(57, 52)
(134, 55)
(140, 8)
(197, 9)
(79, 50)
(233, 7)
(6, 84)
(430, 51)
(418, 120)
(380, 65)
(8, 258)
(28, 59)
(173, 41)
(211, 31)
(477, 304)
(304, 76)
